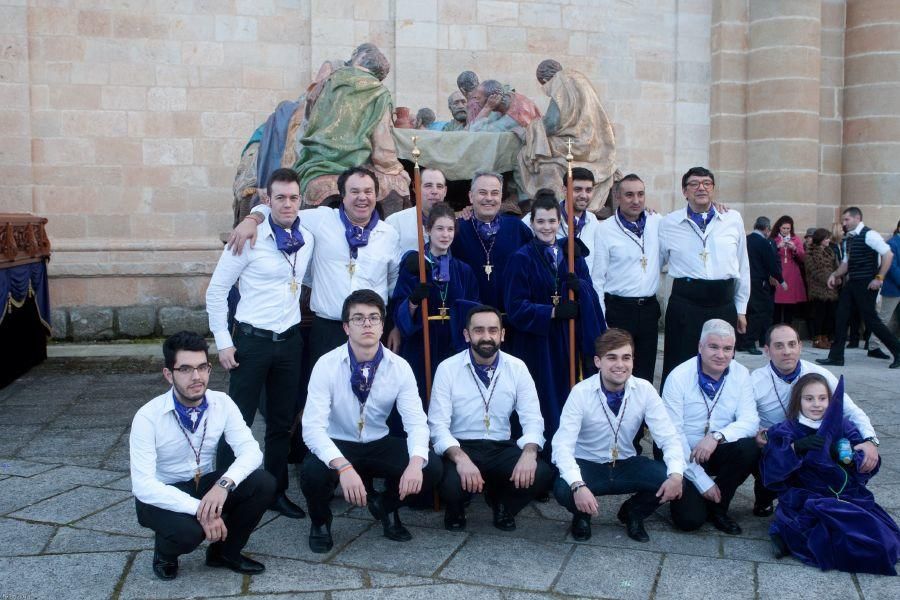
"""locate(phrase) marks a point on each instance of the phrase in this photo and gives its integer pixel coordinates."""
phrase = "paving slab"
(686, 576)
(779, 581)
(72, 444)
(491, 560)
(663, 538)
(194, 578)
(755, 550)
(18, 537)
(28, 414)
(421, 556)
(283, 575)
(83, 475)
(120, 518)
(19, 492)
(380, 579)
(13, 437)
(24, 468)
(434, 592)
(70, 539)
(51, 577)
(879, 587)
(289, 538)
(608, 573)
(72, 505)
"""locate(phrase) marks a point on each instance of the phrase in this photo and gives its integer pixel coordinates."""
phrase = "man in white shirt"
(473, 396)
(706, 250)
(434, 190)
(352, 391)
(355, 249)
(593, 450)
(626, 272)
(266, 349)
(772, 386)
(178, 493)
(863, 276)
(710, 400)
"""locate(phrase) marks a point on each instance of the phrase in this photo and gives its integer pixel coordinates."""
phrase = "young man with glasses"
(706, 250)
(352, 391)
(265, 349)
(178, 494)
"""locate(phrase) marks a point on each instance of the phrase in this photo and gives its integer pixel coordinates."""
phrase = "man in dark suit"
(765, 272)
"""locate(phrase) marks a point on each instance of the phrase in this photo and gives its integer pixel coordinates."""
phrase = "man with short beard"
(456, 102)
(473, 396)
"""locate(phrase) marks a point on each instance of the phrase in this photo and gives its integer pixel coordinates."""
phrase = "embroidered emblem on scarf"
(485, 372)
(698, 217)
(357, 237)
(190, 416)
(709, 385)
(637, 228)
(288, 241)
(790, 377)
(362, 374)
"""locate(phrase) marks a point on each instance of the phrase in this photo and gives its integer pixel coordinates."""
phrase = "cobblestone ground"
(68, 528)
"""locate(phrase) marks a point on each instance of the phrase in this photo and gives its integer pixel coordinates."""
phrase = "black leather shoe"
(392, 530)
(502, 519)
(878, 353)
(724, 523)
(853, 344)
(581, 527)
(831, 361)
(454, 520)
(634, 526)
(762, 510)
(165, 567)
(283, 504)
(779, 548)
(896, 363)
(241, 564)
(320, 540)
(752, 350)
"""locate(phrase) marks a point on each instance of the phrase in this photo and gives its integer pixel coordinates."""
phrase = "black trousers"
(496, 461)
(762, 495)
(731, 464)
(693, 302)
(276, 367)
(325, 335)
(855, 296)
(640, 318)
(385, 458)
(637, 475)
(760, 309)
(179, 533)
(823, 317)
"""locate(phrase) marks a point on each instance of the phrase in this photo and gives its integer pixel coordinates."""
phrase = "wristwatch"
(226, 485)
(873, 439)
(718, 436)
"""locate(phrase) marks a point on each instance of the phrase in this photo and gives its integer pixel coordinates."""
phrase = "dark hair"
(545, 199)
(283, 175)
(546, 70)
(772, 328)
(491, 86)
(820, 234)
(425, 116)
(696, 172)
(364, 296)
(183, 340)
(611, 339)
(776, 229)
(466, 82)
(793, 410)
(482, 308)
(343, 177)
(579, 174)
(853, 211)
(762, 223)
(618, 185)
(426, 169)
(371, 58)
(440, 209)
(897, 230)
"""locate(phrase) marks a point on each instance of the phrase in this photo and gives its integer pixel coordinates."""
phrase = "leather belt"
(248, 329)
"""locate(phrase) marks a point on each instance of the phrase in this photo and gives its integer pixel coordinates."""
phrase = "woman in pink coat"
(791, 255)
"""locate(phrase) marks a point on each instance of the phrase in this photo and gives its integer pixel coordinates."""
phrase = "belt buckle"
(640, 301)
(275, 337)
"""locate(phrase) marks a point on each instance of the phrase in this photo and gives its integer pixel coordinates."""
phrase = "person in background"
(890, 296)
(821, 261)
(790, 255)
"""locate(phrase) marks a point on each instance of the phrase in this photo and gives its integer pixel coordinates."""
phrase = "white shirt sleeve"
(144, 484)
(528, 407)
(877, 243)
(409, 405)
(566, 437)
(601, 264)
(227, 272)
(851, 410)
(747, 422)
(742, 294)
(664, 434)
(247, 455)
(673, 399)
(316, 415)
(440, 411)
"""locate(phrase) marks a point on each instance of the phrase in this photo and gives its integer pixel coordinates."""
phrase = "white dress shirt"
(376, 266)
(587, 236)
(681, 242)
(873, 241)
(585, 432)
(734, 414)
(405, 224)
(773, 395)
(332, 410)
(266, 274)
(458, 396)
(160, 455)
(617, 259)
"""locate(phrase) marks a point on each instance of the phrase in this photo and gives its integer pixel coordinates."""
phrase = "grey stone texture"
(173, 319)
(91, 323)
(59, 323)
(136, 321)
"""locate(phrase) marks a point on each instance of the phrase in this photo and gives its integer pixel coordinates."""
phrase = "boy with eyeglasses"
(352, 391)
(178, 493)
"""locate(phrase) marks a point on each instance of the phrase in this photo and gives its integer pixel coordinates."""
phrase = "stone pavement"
(68, 528)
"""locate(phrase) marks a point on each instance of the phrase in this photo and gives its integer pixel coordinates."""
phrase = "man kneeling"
(593, 446)
(473, 396)
(177, 492)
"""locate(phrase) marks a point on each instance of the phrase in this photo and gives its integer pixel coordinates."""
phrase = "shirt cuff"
(533, 438)
(223, 339)
(421, 452)
(441, 446)
(571, 475)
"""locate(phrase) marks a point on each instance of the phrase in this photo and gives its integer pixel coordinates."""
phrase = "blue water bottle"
(844, 451)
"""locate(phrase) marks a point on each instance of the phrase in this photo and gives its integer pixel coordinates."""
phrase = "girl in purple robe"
(825, 515)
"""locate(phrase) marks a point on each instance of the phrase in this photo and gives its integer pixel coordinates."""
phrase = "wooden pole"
(570, 240)
(423, 278)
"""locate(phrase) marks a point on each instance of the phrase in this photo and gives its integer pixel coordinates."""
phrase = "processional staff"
(570, 241)
(426, 337)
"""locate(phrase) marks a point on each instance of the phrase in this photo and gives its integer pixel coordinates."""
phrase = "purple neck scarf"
(440, 267)
(288, 241)
(485, 372)
(487, 231)
(551, 253)
(579, 221)
(637, 228)
(362, 374)
(698, 217)
(613, 399)
(357, 236)
(789, 377)
(709, 385)
(190, 416)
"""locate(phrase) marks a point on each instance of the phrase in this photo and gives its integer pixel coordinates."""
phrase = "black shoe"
(392, 530)
(896, 363)
(752, 350)
(242, 564)
(634, 526)
(542, 497)
(779, 548)
(836, 362)
(454, 520)
(320, 540)
(502, 519)
(724, 523)
(853, 344)
(581, 527)
(283, 504)
(165, 567)
(761, 510)
(878, 353)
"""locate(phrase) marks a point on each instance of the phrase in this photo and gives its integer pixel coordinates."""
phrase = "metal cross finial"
(416, 153)
(569, 157)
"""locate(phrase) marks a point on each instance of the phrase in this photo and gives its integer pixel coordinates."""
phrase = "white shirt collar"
(858, 228)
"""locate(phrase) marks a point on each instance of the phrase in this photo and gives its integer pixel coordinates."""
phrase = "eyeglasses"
(203, 369)
(693, 185)
(360, 320)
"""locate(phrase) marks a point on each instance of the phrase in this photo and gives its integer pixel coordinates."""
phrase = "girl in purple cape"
(825, 516)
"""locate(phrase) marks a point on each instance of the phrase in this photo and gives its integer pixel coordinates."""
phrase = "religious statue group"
(437, 362)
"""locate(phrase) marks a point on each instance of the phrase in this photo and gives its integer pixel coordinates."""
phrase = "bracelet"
(879, 277)
(346, 467)
(578, 486)
(339, 467)
(250, 216)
